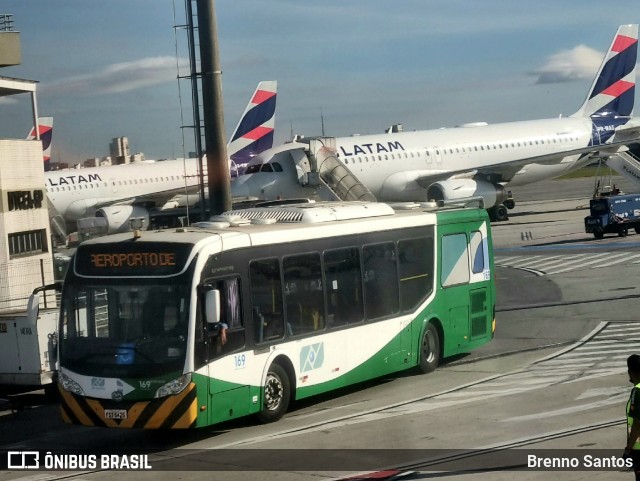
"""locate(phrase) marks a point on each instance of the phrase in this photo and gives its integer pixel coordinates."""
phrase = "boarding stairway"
(58, 226)
(627, 164)
(322, 168)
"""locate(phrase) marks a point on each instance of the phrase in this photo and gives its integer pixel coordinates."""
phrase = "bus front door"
(228, 361)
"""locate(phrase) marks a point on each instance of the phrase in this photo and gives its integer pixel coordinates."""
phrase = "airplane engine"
(492, 194)
(118, 216)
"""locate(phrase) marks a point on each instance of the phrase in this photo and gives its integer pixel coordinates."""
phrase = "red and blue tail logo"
(613, 91)
(45, 129)
(254, 133)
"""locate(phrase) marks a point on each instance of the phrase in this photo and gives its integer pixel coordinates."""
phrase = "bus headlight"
(70, 385)
(174, 387)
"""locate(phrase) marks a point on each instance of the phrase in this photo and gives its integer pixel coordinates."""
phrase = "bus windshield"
(113, 330)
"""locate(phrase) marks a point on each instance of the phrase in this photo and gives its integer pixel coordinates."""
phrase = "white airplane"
(470, 160)
(119, 193)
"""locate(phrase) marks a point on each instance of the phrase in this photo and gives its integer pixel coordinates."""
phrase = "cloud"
(8, 101)
(120, 77)
(579, 63)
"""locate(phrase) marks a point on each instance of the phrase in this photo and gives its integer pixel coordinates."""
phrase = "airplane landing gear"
(498, 213)
(509, 202)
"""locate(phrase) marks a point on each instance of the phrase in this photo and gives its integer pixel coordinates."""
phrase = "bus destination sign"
(139, 259)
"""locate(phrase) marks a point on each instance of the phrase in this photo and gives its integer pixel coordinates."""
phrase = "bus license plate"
(115, 413)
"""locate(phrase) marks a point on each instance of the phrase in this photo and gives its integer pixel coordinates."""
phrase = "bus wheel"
(429, 349)
(623, 231)
(277, 391)
(598, 235)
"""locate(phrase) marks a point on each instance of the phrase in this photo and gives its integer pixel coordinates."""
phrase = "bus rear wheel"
(429, 349)
(277, 392)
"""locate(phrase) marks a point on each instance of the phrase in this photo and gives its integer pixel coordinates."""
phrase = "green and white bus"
(245, 313)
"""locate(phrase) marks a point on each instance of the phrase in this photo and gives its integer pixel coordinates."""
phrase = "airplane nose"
(239, 187)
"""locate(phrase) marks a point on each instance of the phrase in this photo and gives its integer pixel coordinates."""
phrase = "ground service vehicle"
(614, 214)
(313, 297)
(28, 344)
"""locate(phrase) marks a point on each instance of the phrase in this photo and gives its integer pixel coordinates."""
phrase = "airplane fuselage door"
(433, 156)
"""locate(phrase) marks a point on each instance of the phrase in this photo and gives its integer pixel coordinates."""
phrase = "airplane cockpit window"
(266, 168)
(252, 169)
(276, 167)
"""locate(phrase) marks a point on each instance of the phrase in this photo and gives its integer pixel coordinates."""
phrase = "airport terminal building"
(26, 257)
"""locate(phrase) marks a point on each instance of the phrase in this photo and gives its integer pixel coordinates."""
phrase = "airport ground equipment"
(614, 214)
(28, 345)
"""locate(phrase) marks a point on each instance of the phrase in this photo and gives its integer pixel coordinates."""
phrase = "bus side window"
(304, 293)
(380, 280)
(480, 266)
(230, 314)
(266, 300)
(344, 286)
(455, 260)
(415, 261)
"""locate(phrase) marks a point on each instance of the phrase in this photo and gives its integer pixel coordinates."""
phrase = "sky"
(109, 68)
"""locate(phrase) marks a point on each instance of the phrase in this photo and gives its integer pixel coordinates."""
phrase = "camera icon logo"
(23, 460)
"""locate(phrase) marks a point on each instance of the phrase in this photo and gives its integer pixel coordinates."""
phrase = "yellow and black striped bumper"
(172, 412)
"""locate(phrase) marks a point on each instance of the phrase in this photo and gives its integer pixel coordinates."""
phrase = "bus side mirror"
(212, 306)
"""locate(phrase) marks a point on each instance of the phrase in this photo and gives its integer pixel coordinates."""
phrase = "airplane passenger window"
(482, 147)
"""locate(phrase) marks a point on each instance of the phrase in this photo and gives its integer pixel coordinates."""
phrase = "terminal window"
(27, 243)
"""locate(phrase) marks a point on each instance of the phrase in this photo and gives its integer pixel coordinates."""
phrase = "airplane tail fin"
(45, 129)
(613, 90)
(254, 132)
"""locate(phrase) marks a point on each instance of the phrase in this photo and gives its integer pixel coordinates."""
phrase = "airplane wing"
(505, 171)
(628, 133)
(154, 199)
